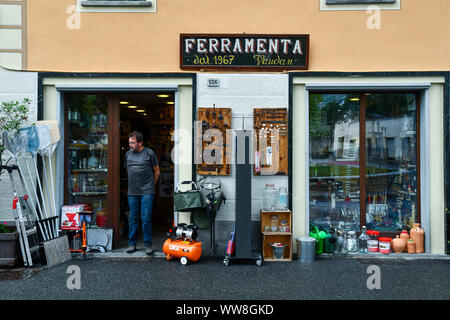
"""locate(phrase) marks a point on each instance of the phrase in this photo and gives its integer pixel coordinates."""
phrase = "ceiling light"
(132, 107)
(354, 99)
(163, 95)
(124, 102)
(140, 110)
(170, 102)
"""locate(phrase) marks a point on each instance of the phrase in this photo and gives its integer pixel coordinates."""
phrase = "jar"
(417, 235)
(372, 242)
(274, 223)
(385, 245)
(398, 245)
(352, 244)
(284, 227)
(411, 246)
(282, 199)
(362, 240)
(405, 236)
(270, 197)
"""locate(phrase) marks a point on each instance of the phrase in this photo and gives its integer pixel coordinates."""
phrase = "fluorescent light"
(132, 107)
(163, 95)
(170, 102)
(140, 110)
(124, 102)
(354, 99)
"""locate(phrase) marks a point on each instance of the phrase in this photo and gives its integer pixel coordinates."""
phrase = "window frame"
(362, 147)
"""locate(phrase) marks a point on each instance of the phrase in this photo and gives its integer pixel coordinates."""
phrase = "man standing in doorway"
(143, 173)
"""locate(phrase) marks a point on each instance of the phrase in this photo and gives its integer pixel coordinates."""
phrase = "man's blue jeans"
(142, 204)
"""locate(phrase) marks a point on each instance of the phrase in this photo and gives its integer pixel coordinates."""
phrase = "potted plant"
(13, 114)
(9, 245)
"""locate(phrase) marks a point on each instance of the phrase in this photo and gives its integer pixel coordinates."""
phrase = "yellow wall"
(414, 38)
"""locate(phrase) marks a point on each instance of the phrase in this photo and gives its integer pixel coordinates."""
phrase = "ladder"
(25, 224)
(28, 231)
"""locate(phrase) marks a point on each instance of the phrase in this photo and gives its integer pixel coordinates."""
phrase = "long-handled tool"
(12, 149)
(32, 148)
(21, 139)
(54, 134)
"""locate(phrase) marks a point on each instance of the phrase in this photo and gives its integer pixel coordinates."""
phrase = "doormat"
(14, 275)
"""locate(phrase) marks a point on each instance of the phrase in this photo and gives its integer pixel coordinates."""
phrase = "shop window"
(379, 187)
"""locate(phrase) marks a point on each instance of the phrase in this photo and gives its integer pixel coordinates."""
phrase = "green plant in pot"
(13, 115)
(4, 228)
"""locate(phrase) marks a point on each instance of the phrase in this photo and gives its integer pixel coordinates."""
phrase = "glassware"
(372, 242)
(362, 240)
(344, 247)
(274, 223)
(283, 199)
(270, 197)
(352, 243)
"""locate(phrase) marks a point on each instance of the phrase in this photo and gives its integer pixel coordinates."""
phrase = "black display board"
(242, 51)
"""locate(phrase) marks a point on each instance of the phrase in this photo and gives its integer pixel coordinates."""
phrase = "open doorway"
(152, 114)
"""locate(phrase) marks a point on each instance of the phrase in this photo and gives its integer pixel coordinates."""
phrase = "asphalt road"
(209, 279)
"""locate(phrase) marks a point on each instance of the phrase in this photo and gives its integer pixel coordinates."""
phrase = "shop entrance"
(152, 114)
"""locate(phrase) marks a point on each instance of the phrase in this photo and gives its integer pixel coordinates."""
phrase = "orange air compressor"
(182, 244)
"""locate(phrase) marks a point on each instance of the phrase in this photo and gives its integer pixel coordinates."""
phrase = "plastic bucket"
(278, 250)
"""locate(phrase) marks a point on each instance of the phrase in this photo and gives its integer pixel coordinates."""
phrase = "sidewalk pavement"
(140, 254)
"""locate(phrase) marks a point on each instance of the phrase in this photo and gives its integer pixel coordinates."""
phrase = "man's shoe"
(148, 250)
(131, 249)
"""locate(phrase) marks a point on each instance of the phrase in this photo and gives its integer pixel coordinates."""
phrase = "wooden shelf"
(277, 233)
(274, 237)
(90, 170)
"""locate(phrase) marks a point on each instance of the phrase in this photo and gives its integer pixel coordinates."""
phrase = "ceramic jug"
(405, 236)
(398, 245)
(417, 235)
(411, 247)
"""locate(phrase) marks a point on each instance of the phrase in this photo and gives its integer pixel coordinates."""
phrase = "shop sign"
(242, 51)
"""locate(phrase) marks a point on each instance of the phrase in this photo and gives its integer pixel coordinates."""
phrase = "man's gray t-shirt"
(140, 171)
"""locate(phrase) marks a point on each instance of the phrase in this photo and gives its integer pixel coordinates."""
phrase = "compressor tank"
(190, 250)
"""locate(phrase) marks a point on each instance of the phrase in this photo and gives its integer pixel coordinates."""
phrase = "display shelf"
(89, 170)
(269, 237)
(89, 193)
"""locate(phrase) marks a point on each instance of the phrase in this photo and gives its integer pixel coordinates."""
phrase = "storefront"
(96, 112)
(397, 180)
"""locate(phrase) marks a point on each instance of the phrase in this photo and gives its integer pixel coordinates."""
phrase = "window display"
(378, 188)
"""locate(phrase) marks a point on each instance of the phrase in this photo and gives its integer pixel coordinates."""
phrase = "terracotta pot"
(398, 245)
(405, 237)
(417, 235)
(411, 246)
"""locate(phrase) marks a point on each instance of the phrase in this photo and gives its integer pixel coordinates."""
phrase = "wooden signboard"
(213, 156)
(271, 147)
(265, 52)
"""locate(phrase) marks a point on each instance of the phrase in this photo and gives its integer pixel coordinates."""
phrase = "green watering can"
(319, 236)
